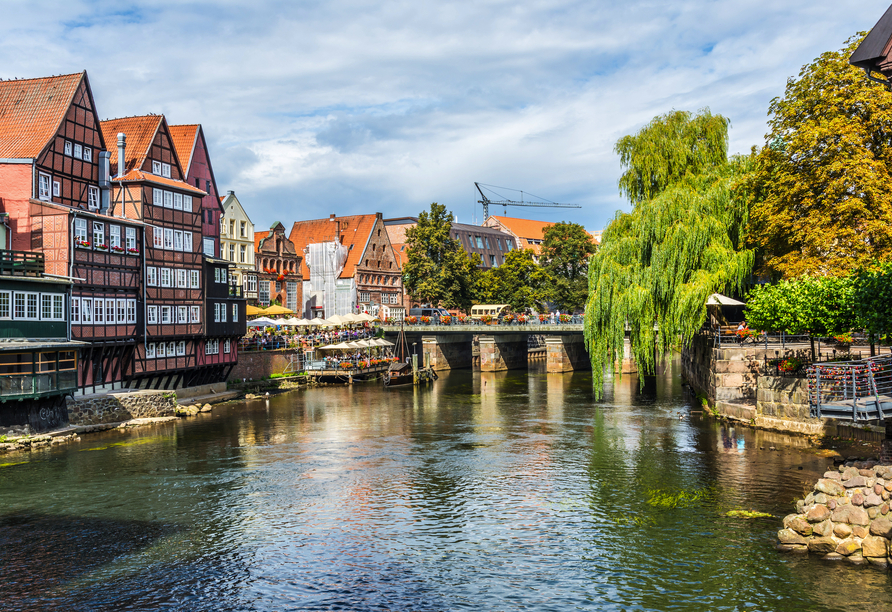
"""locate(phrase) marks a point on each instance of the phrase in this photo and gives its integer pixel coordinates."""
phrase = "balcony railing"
(21, 263)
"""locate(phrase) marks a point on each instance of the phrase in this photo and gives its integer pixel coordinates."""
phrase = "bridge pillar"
(503, 352)
(566, 353)
(448, 352)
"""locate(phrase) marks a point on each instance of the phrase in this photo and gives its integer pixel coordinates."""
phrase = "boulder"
(829, 487)
(854, 481)
(842, 531)
(881, 527)
(851, 515)
(873, 546)
(817, 514)
(822, 546)
(800, 525)
(788, 536)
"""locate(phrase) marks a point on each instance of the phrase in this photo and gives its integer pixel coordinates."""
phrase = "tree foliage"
(566, 249)
(817, 306)
(821, 194)
(519, 282)
(657, 265)
(438, 270)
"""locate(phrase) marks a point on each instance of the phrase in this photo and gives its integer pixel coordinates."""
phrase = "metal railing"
(851, 390)
(21, 262)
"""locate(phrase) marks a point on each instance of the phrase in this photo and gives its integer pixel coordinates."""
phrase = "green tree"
(519, 282)
(821, 194)
(657, 265)
(438, 270)
(566, 249)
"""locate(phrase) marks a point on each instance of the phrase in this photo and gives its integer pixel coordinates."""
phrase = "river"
(508, 491)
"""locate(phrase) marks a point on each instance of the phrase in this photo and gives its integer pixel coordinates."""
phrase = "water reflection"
(500, 491)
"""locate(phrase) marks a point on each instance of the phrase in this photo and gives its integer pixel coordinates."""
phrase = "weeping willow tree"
(658, 264)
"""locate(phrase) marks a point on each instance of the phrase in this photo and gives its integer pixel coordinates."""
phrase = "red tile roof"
(183, 137)
(31, 112)
(139, 176)
(140, 133)
(355, 231)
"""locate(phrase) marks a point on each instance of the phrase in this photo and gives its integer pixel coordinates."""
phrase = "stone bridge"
(502, 347)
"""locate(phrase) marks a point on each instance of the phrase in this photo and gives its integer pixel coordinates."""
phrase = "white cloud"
(355, 106)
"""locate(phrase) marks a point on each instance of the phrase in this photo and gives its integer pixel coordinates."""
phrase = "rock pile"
(847, 516)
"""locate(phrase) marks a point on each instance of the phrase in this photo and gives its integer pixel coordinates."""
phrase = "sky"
(360, 106)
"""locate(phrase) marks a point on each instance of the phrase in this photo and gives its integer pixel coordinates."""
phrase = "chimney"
(122, 145)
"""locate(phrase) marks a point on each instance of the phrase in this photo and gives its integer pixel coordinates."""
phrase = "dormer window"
(156, 167)
(78, 151)
(165, 170)
(68, 148)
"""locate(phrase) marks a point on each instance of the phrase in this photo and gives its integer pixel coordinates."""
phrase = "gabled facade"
(278, 267)
(192, 150)
(352, 258)
(237, 246)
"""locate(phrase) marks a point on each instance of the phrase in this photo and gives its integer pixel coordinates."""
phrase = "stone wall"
(262, 364)
(120, 406)
(845, 517)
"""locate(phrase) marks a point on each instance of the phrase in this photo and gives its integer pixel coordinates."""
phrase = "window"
(165, 170)
(157, 238)
(177, 240)
(364, 296)
(187, 242)
(166, 315)
(43, 187)
(181, 279)
(99, 234)
(78, 151)
(194, 282)
(115, 235)
(130, 237)
(150, 350)
(226, 346)
(156, 167)
(165, 277)
(88, 154)
(131, 310)
(182, 314)
(99, 311)
(58, 307)
(187, 203)
(46, 307)
(168, 239)
(158, 197)
(32, 306)
(93, 197)
(216, 312)
(250, 282)
(75, 310)
(152, 315)
(178, 201)
(168, 199)
(194, 314)
(243, 252)
(181, 348)
(68, 148)
(86, 311)
(152, 276)
(80, 230)
(160, 349)
(235, 313)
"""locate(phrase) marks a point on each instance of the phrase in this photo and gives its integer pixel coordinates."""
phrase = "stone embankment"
(846, 517)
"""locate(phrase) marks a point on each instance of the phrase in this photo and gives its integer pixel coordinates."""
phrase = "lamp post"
(874, 54)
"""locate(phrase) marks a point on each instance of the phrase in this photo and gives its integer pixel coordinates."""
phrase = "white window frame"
(92, 197)
(194, 314)
(156, 168)
(43, 186)
(152, 315)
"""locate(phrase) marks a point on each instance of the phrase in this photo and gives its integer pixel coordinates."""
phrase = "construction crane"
(506, 202)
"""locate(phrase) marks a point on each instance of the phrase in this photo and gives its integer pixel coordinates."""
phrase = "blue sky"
(355, 106)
